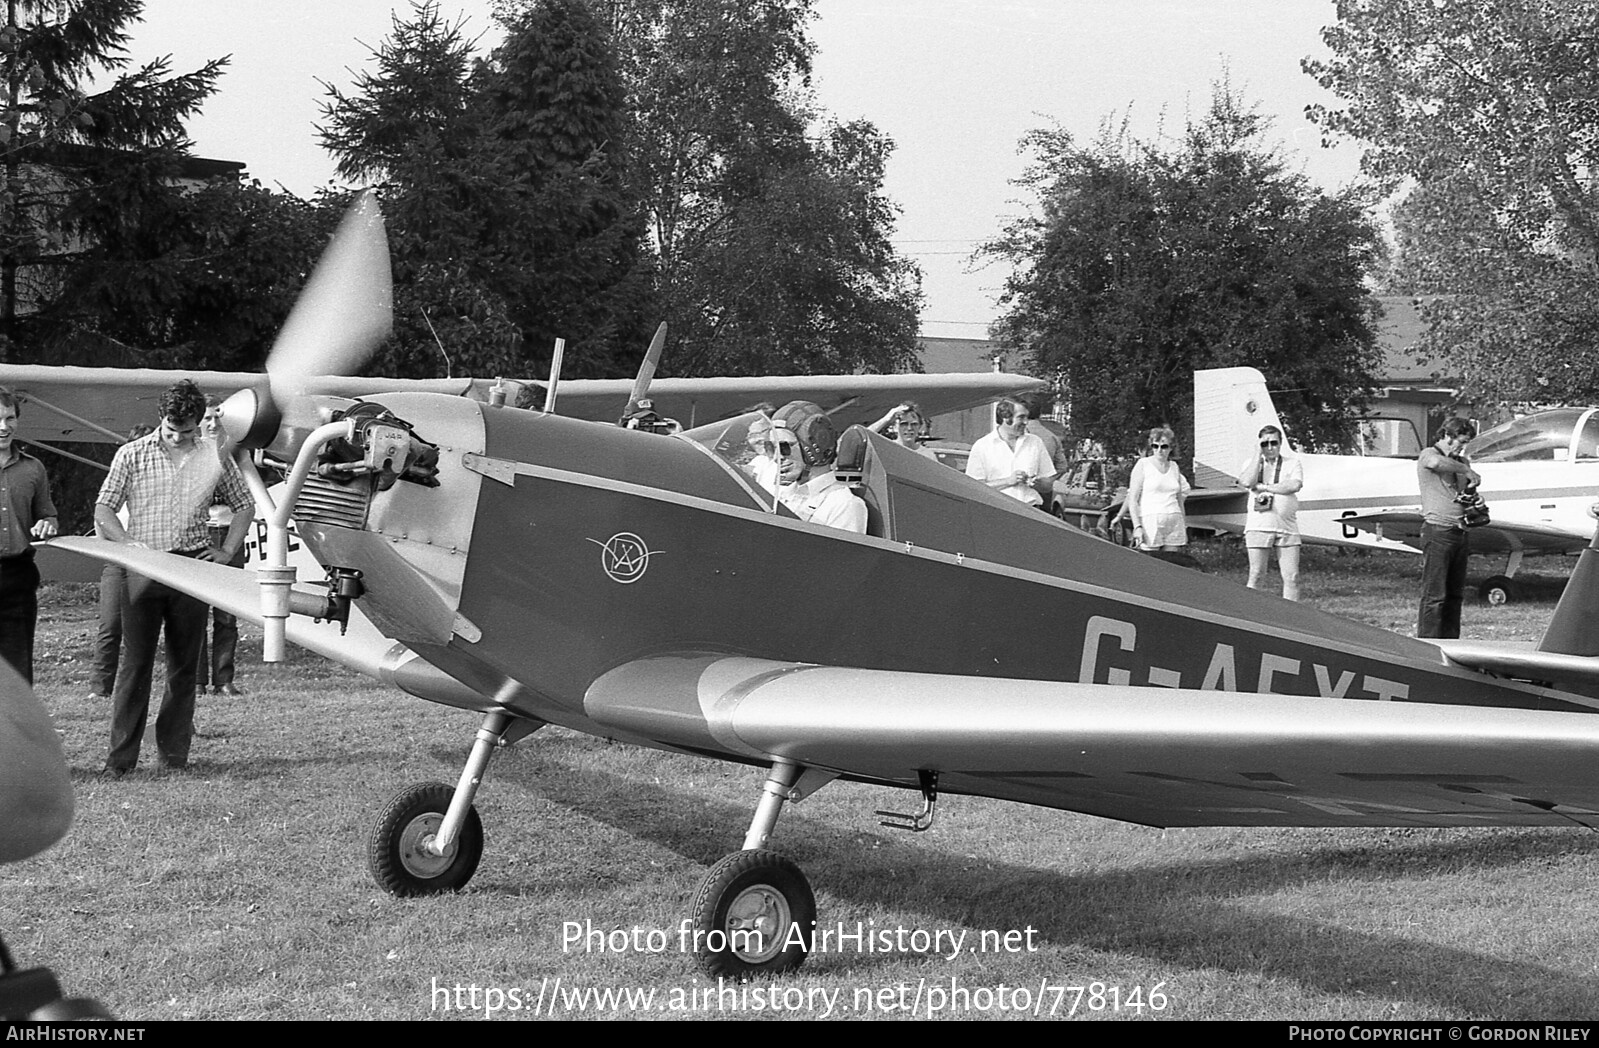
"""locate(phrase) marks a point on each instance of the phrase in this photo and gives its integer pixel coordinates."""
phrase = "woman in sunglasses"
(1273, 477)
(1155, 496)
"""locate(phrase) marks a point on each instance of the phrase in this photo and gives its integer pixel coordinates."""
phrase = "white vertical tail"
(1230, 407)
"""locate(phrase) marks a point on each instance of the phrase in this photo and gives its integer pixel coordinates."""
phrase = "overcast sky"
(955, 83)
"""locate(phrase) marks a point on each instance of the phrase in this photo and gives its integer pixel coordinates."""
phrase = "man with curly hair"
(167, 481)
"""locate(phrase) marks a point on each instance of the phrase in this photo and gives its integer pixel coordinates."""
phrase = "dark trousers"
(150, 607)
(19, 611)
(108, 641)
(217, 654)
(215, 665)
(1444, 553)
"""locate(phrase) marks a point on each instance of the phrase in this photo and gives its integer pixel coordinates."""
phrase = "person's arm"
(113, 496)
(1249, 475)
(232, 542)
(1293, 478)
(1135, 493)
(1436, 461)
(106, 524)
(1044, 480)
(888, 419)
(45, 525)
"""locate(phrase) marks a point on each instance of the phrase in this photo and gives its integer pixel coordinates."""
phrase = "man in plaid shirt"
(167, 481)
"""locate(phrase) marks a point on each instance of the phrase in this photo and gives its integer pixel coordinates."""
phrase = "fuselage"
(592, 547)
(1554, 495)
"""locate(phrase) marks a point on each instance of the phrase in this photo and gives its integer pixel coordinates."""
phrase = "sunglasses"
(1270, 443)
(766, 447)
(1161, 447)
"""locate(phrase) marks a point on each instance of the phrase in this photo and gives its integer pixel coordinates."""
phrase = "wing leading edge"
(1157, 756)
(234, 590)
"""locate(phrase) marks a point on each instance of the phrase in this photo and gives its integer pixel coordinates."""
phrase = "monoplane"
(1540, 476)
(546, 570)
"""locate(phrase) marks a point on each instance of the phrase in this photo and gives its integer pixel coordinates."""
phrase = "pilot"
(762, 464)
(806, 445)
(1273, 476)
(26, 513)
(167, 481)
(1012, 459)
(1443, 472)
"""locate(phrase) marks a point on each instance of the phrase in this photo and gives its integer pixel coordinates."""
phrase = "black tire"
(1497, 590)
(754, 914)
(395, 854)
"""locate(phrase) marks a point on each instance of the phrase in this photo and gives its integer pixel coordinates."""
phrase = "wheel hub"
(416, 847)
(757, 924)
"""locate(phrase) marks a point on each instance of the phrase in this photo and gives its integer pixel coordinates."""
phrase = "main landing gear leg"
(429, 839)
(755, 912)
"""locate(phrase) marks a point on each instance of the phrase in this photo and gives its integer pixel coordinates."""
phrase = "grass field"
(240, 890)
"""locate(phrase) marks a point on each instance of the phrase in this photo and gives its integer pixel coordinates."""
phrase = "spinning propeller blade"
(345, 312)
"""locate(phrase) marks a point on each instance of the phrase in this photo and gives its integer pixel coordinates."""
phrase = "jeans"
(1444, 553)
(19, 612)
(150, 607)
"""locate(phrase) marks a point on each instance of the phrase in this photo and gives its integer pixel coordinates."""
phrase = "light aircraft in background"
(1540, 476)
(647, 589)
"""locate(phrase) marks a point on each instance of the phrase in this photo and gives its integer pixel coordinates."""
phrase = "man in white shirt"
(806, 444)
(1011, 459)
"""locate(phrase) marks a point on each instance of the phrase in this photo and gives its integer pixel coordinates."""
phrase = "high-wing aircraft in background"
(525, 559)
(1540, 475)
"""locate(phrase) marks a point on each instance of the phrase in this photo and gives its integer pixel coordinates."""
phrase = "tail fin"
(1574, 628)
(1230, 407)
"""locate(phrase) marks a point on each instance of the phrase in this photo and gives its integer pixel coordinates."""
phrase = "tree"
(87, 174)
(219, 268)
(769, 224)
(1140, 264)
(1487, 115)
(505, 185)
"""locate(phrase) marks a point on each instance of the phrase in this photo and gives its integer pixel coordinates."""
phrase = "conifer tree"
(89, 175)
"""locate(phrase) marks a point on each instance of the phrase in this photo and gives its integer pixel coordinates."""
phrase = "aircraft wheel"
(754, 915)
(1497, 590)
(397, 855)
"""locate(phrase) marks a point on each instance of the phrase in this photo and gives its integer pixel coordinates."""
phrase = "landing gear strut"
(755, 912)
(429, 839)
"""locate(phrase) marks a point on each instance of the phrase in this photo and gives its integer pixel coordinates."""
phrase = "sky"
(955, 84)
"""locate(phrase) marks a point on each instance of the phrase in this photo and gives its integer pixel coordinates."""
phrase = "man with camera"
(1273, 476)
(1444, 473)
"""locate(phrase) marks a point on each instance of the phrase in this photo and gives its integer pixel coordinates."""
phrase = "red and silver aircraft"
(522, 559)
(1540, 475)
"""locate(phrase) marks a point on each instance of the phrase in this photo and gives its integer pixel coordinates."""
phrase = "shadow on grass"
(1181, 912)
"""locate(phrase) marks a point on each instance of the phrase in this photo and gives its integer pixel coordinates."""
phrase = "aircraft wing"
(849, 399)
(1157, 756)
(361, 648)
(1499, 536)
(100, 405)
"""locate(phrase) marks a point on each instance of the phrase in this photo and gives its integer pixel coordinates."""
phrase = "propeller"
(343, 314)
(646, 371)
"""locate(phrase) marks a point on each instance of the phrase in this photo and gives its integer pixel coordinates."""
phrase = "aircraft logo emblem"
(624, 556)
